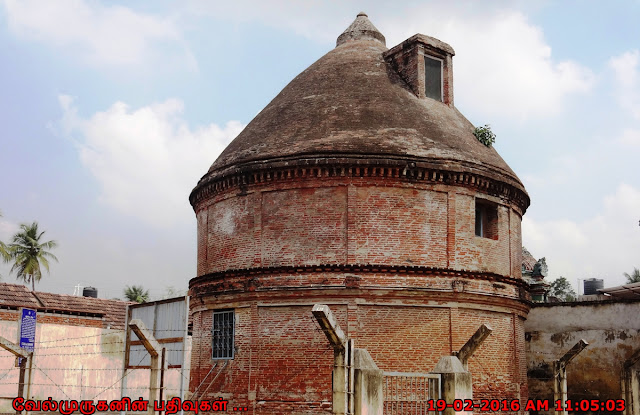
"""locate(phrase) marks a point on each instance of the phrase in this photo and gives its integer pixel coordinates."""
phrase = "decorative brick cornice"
(356, 268)
(482, 178)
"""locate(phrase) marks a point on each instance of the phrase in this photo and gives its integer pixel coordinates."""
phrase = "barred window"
(222, 335)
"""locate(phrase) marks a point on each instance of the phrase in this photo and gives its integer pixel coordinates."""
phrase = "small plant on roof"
(485, 135)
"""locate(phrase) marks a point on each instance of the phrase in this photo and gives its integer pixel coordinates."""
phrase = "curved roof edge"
(353, 104)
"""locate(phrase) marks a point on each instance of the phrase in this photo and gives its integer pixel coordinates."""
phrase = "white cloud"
(147, 159)
(559, 169)
(630, 137)
(7, 229)
(101, 35)
(317, 20)
(503, 65)
(626, 68)
(598, 247)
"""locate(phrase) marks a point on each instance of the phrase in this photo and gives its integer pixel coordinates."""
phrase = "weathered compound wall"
(612, 330)
(75, 358)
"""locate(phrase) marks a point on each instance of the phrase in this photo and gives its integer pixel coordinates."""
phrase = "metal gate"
(409, 393)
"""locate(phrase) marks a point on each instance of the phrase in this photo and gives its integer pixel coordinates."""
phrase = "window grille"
(433, 78)
(222, 335)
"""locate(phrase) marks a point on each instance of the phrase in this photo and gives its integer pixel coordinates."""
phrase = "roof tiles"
(113, 312)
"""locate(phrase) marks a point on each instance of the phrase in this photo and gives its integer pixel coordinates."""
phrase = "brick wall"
(404, 339)
(54, 318)
(478, 253)
(497, 366)
(400, 226)
(405, 63)
(304, 226)
(407, 59)
(398, 262)
(339, 221)
(283, 361)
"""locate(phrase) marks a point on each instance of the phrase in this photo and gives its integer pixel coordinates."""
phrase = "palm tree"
(136, 293)
(27, 253)
(4, 253)
(634, 276)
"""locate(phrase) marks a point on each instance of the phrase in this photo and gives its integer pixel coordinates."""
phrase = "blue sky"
(111, 111)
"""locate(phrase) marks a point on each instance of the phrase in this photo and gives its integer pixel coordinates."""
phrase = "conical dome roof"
(352, 103)
(361, 28)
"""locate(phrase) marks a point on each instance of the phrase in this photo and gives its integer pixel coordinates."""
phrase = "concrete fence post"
(630, 385)
(343, 360)
(473, 344)
(456, 383)
(455, 378)
(630, 388)
(559, 385)
(560, 375)
(368, 384)
(27, 361)
(153, 347)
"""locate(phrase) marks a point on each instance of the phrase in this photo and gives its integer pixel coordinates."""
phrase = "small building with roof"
(78, 344)
(62, 309)
(79, 349)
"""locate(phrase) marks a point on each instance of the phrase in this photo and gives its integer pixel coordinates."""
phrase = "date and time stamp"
(514, 405)
(173, 406)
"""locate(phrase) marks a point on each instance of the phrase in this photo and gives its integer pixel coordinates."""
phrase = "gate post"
(26, 355)
(560, 375)
(455, 378)
(368, 384)
(630, 384)
(343, 360)
(456, 383)
(153, 347)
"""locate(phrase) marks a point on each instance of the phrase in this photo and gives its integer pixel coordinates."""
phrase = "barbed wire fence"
(87, 367)
(91, 367)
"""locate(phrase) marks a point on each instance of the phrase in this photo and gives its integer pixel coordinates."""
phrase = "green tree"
(633, 277)
(136, 293)
(561, 288)
(28, 253)
(4, 254)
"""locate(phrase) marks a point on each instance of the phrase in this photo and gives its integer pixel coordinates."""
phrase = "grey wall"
(612, 330)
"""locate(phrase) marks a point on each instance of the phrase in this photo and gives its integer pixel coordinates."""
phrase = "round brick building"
(362, 187)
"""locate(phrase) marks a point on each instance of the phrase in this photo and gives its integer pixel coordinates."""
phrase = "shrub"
(485, 135)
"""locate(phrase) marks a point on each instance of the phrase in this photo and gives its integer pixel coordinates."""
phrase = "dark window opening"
(222, 331)
(433, 78)
(486, 219)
